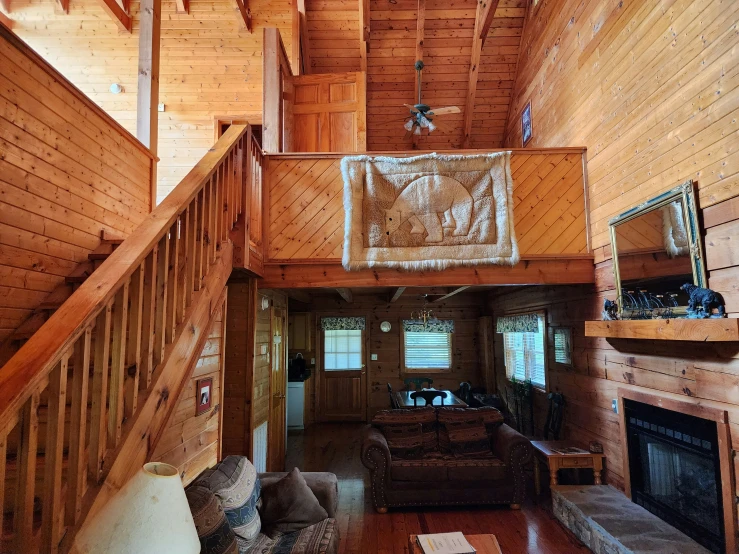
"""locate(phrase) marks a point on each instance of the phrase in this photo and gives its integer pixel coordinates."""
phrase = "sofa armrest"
(323, 484)
(512, 447)
(375, 451)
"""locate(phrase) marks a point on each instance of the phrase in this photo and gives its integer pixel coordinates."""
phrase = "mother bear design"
(424, 200)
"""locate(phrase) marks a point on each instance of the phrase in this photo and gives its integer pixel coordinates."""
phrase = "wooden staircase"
(101, 364)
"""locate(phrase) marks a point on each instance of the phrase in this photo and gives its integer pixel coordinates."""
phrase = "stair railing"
(96, 355)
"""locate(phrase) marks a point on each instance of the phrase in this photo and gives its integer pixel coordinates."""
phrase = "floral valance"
(431, 326)
(343, 323)
(521, 323)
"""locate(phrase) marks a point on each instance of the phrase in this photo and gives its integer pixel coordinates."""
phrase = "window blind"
(524, 356)
(342, 350)
(428, 350)
(562, 349)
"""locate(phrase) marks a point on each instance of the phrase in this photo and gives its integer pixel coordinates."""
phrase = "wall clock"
(385, 326)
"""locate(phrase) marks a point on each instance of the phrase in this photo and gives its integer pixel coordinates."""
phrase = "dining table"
(403, 400)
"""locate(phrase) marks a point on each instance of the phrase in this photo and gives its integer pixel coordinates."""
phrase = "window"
(563, 345)
(525, 356)
(429, 350)
(342, 350)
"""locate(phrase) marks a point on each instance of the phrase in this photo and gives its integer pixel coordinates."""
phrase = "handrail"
(118, 323)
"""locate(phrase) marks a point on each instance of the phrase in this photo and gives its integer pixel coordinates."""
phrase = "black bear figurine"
(610, 310)
(703, 301)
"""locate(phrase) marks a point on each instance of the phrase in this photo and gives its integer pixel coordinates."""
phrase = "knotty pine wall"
(192, 442)
(464, 309)
(210, 66)
(67, 172)
(650, 89)
(333, 35)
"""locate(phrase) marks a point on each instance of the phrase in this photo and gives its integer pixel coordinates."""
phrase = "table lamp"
(149, 515)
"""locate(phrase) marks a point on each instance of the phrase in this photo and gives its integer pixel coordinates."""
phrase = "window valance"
(432, 326)
(521, 323)
(343, 323)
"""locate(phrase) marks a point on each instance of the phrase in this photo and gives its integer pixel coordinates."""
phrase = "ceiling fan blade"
(442, 127)
(442, 111)
(392, 123)
(411, 108)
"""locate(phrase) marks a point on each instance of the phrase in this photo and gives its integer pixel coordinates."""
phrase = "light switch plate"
(160, 106)
(312, 361)
(614, 405)
(263, 348)
(373, 357)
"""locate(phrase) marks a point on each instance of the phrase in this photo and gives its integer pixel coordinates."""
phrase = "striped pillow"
(404, 441)
(426, 417)
(214, 532)
(468, 439)
(490, 417)
(235, 482)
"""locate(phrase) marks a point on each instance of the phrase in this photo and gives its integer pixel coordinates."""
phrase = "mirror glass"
(654, 261)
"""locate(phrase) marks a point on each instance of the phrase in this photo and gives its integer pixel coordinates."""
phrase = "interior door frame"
(276, 311)
(319, 414)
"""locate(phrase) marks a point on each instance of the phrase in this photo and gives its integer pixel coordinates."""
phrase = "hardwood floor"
(336, 447)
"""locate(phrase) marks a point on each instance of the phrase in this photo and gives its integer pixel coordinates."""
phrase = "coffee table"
(557, 461)
(484, 544)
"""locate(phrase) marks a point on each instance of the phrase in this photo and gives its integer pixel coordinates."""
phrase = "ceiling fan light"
(432, 127)
(408, 125)
(423, 122)
(417, 131)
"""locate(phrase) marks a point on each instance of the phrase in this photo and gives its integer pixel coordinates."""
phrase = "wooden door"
(277, 427)
(343, 377)
(329, 112)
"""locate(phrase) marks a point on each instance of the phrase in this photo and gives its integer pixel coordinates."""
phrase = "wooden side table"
(484, 544)
(557, 461)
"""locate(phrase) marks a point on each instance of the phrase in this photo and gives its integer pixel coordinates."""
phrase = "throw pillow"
(425, 416)
(289, 505)
(490, 417)
(214, 532)
(235, 482)
(468, 439)
(405, 442)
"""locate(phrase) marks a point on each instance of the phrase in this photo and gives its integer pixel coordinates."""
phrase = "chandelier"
(424, 314)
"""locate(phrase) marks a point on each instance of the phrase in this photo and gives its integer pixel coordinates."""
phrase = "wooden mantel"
(703, 330)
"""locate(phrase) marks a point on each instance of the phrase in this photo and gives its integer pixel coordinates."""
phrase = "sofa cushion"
(236, 484)
(214, 532)
(448, 467)
(468, 439)
(490, 417)
(289, 505)
(404, 441)
(426, 417)
(321, 538)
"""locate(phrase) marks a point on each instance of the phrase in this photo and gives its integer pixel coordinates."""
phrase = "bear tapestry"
(428, 212)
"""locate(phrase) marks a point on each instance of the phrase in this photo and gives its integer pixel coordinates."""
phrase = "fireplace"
(675, 471)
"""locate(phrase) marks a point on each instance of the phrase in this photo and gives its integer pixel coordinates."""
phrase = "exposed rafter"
(299, 295)
(346, 294)
(5, 20)
(64, 5)
(245, 10)
(118, 13)
(182, 6)
(397, 294)
(483, 19)
(364, 31)
(450, 294)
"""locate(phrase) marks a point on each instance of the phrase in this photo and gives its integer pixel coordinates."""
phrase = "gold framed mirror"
(656, 249)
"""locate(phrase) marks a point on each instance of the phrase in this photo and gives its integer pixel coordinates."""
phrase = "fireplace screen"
(675, 473)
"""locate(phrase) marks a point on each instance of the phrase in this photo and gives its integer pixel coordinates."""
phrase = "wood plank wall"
(650, 89)
(67, 172)
(446, 50)
(210, 66)
(463, 308)
(333, 34)
(306, 213)
(192, 442)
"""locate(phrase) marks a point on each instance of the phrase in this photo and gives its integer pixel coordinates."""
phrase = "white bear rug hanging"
(428, 212)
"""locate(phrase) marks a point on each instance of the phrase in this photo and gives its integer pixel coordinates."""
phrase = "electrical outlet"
(263, 348)
(160, 106)
(614, 405)
(373, 357)
(312, 361)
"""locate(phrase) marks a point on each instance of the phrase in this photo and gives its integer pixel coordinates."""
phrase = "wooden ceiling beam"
(118, 14)
(299, 295)
(485, 12)
(364, 32)
(346, 294)
(5, 20)
(64, 5)
(397, 294)
(182, 6)
(245, 11)
(450, 294)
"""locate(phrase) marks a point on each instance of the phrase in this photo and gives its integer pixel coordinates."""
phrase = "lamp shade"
(149, 515)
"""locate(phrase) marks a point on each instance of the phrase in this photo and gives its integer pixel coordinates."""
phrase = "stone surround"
(608, 522)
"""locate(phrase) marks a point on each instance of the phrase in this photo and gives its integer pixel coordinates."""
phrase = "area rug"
(428, 212)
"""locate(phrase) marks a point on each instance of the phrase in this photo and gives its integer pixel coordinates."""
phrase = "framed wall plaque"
(204, 391)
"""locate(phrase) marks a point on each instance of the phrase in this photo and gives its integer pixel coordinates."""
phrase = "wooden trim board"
(703, 330)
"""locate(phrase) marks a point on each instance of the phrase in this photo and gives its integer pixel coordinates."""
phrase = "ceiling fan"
(423, 116)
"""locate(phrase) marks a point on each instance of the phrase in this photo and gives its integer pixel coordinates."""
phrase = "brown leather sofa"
(438, 478)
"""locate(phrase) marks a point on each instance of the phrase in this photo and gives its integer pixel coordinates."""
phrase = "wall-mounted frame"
(203, 395)
(527, 125)
(562, 340)
(656, 248)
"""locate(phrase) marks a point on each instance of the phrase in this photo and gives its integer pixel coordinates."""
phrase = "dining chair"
(555, 412)
(417, 382)
(428, 396)
(393, 402)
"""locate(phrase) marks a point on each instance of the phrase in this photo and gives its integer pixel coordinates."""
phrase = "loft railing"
(67, 395)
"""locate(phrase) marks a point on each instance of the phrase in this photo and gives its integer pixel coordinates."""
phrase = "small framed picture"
(204, 391)
(526, 125)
